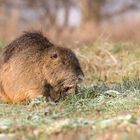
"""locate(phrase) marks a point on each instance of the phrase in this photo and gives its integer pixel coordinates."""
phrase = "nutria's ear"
(54, 54)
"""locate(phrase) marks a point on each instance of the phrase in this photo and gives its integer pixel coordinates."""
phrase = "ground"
(108, 106)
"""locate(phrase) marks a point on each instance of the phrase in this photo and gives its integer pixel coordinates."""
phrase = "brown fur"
(32, 66)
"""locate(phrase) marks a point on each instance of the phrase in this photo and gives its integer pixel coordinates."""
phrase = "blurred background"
(72, 21)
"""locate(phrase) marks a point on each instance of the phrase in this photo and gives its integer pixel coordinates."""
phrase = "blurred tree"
(50, 10)
(66, 4)
(121, 8)
(91, 10)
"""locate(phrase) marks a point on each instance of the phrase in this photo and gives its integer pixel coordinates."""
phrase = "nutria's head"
(62, 71)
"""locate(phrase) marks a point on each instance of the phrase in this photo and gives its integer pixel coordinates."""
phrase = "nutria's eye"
(54, 55)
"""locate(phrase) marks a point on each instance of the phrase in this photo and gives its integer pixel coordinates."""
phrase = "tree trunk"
(91, 10)
(66, 16)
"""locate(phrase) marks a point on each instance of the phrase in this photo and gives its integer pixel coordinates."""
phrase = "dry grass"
(110, 62)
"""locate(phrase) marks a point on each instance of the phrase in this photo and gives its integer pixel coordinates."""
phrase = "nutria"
(31, 65)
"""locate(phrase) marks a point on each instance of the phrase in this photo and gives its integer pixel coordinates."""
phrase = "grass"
(109, 62)
(107, 108)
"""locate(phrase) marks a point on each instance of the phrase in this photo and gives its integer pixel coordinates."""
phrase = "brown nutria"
(32, 66)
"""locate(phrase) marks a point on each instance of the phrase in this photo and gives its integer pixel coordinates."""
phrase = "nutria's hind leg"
(26, 96)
